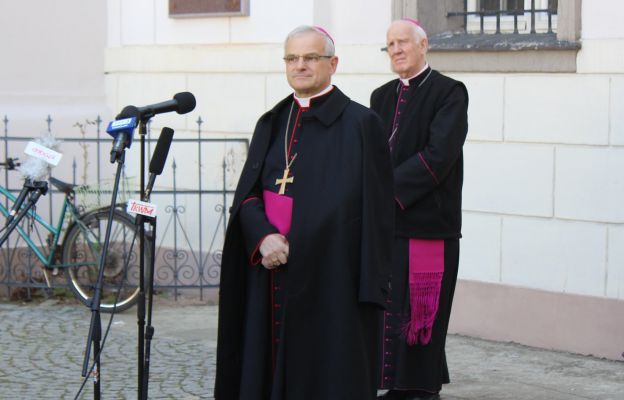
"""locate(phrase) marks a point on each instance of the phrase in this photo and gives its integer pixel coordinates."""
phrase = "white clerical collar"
(405, 82)
(304, 102)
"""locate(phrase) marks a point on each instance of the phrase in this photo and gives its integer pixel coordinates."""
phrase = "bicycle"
(78, 253)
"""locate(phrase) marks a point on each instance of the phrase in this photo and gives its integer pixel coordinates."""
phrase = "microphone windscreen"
(36, 169)
(160, 152)
(186, 102)
(129, 112)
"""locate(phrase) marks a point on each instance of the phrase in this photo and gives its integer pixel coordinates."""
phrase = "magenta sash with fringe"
(278, 210)
(426, 267)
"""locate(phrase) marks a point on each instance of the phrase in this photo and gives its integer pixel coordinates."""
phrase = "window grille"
(509, 16)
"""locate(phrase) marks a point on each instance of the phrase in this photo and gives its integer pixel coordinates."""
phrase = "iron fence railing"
(192, 195)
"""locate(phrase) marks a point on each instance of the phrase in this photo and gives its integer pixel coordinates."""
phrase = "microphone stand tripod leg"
(34, 191)
(97, 338)
(149, 330)
(141, 300)
(95, 328)
(141, 304)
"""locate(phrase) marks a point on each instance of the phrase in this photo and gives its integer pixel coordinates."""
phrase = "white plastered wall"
(232, 65)
(52, 63)
(544, 182)
(543, 187)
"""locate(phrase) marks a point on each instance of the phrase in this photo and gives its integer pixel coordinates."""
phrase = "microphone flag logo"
(141, 207)
(40, 152)
(121, 125)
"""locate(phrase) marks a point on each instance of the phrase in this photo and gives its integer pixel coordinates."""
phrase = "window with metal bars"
(500, 35)
(208, 8)
(509, 16)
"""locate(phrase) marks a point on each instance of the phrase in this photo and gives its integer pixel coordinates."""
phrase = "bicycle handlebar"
(10, 163)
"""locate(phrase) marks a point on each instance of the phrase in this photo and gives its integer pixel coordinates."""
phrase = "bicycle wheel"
(80, 255)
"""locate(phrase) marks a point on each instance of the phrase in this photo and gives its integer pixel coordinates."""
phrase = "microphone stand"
(149, 329)
(141, 296)
(35, 189)
(147, 332)
(95, 327)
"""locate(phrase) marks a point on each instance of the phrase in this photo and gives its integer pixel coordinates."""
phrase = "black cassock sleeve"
(255, 225)
(377, 214)
(418, 175)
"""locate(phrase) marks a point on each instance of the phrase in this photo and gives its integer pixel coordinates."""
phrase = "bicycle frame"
(55, 231)
(78, 252)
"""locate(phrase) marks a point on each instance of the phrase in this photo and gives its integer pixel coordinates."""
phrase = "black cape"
(338, 269)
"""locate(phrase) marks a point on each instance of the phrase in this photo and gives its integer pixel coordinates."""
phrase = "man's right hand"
(274, 249)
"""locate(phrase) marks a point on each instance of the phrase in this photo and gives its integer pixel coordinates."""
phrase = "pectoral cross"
(285, 179)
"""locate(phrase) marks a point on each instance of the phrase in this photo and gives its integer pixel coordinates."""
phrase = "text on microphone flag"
(141, 207)
(121, 125)
(40, 152)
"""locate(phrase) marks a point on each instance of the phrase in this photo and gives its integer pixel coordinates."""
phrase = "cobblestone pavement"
(42, 349)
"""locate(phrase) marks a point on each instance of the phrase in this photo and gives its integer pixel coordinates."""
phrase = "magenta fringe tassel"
(424, 299)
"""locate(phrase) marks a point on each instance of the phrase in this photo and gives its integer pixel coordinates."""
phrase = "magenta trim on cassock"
(426, 267)
(399, 203)
(278, 209)
(256, 257)
(248, 199)
(433, 175)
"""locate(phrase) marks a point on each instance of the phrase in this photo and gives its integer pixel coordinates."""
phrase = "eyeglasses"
(292, 59)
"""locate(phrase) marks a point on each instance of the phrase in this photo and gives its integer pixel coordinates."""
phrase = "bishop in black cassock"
(318, 175)
(425, 119)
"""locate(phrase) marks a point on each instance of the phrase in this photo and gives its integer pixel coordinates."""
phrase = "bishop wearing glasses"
(307, 254)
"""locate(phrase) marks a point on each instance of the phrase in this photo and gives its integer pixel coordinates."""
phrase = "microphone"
(33, 170)
(182, 103)
(18, 203)
(122, 130)
(128, 112)
(36, 168)
(157, 164)
(36, 190)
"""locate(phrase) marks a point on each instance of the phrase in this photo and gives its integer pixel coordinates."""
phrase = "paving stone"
(42, 349)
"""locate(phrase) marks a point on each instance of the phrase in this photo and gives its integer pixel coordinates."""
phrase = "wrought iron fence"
(192, 196)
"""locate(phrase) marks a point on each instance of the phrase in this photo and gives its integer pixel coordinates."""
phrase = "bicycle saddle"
(64, 187)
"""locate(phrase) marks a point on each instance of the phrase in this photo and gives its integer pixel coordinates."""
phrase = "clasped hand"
(274, 249)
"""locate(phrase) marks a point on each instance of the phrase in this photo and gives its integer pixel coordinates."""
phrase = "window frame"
(204, 8)
(448, 42)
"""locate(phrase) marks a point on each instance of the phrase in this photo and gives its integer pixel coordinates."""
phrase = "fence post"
(175, 233)
(201, 237)
(7, 254)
